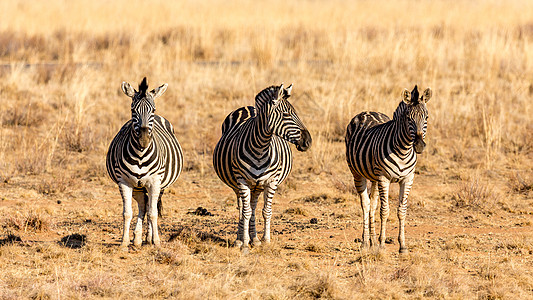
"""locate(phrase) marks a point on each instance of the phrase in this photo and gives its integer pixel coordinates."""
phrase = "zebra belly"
(141, 180)
(396, 169)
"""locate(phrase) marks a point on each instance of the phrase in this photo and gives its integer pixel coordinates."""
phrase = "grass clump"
(31, 221)
(474, 195)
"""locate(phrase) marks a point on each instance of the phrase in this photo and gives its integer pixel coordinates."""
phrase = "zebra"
(143, 159)
(253, 155)
(384, 151)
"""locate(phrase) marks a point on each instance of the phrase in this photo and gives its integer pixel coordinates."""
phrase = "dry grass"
(469, 221)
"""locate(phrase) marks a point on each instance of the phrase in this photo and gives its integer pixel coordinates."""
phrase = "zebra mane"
(266, 95)
(400, 111)
(414, 96)
(402, 108)
(143, 87)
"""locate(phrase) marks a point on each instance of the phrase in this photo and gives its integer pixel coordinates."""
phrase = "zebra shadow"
(10, 239)
(73, 241)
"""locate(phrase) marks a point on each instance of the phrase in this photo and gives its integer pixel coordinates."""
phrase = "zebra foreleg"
(253, 232)
(269, 192)
(127, 213)
(383, 186)
(360, 186)
(139, 196)
(153, 196)
(244, 195)
(405, 187)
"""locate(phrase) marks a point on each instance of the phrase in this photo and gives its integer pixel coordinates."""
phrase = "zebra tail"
(160, 205)
(350, 130)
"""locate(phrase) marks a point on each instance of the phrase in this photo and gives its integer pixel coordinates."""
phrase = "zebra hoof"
(245, 250)
(365, 245)
(256, 242)
(404, 251)
(137, 243)
(123, 248)
(238, 244)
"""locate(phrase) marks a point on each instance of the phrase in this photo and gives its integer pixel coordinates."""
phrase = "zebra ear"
(288, 91)
(406, 96)
(159, 91)
(279, 96)
(427, 95)
(127, 89)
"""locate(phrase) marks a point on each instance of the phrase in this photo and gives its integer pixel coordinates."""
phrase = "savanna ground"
(469, 227)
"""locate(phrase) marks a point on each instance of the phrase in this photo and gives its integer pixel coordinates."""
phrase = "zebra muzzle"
(305, 141)
(419, 145)
(144, 137)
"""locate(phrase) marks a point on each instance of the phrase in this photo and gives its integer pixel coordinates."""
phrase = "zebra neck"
(259, 140)
(135, 148)
(403, 136)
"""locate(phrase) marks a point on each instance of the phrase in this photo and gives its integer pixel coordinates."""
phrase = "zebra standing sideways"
(383, 151)
(253, 155)
(143, 159)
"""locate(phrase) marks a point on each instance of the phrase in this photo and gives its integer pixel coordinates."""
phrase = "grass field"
(469, 228)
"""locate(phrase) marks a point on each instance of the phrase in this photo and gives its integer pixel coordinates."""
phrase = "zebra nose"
(144, 136)
(419, 145)
(305, 141)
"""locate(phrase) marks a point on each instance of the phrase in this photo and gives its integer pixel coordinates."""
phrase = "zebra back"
(367, 119)
(237, 117)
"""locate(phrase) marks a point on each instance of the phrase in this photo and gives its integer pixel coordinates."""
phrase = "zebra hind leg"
(373, 207)
(238, 241)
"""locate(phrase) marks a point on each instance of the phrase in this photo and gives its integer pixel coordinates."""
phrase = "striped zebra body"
(144, 158)
(253, 155)
(244, 161)
(384, 151)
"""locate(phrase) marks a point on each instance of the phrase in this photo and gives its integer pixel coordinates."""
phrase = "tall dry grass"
(62, 62)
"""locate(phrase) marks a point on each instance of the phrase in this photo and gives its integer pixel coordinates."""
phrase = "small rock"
(314, 221)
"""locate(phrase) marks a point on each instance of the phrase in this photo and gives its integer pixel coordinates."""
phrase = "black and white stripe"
(253, 155)
(143, 159)
(384, 151)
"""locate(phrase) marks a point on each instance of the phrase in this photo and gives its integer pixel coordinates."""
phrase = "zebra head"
(143, 110)
(282, 119)
(417, 115)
